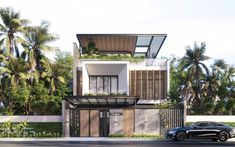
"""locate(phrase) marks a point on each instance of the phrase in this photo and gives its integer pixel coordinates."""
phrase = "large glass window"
(93, 84)
(103, 84)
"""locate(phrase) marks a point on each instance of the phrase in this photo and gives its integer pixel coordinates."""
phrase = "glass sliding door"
(103, 84)
(114, 84)
(106, 85)
(92, 85)
(100, 85)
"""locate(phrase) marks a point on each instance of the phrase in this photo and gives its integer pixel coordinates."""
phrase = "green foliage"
(165, 105)
(215, 92)
(9, 129)
(174, 93)
(113, 57)
(24, 129)
(50, 127)
(29, 82)
(123, 93)
(90, 49)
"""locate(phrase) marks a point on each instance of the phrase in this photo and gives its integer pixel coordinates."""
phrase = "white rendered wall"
(119, 68)
(123, 80)
(217, 118)
(85, 78)
(34, 118)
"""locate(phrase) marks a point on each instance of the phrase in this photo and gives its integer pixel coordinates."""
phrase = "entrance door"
(89, 123)
(104, 123)
(128, 120)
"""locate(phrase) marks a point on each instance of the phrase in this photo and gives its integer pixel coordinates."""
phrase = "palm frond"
(61, 79)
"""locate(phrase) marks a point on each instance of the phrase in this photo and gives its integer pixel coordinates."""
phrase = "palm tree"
(209, 93)
(37, 39)
(15, 72)
(51, 75)
(193, 64)
(10, 30)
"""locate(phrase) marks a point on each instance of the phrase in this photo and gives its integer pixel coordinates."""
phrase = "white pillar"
(65, 120)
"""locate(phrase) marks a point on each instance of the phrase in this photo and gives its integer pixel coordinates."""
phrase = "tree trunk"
(10, 36)
(198, 90)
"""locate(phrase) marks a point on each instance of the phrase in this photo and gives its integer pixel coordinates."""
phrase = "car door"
(215, 128)
(200, 130)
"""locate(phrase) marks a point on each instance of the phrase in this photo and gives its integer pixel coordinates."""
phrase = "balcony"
(136, 61)
(155, 64)
(104, 77)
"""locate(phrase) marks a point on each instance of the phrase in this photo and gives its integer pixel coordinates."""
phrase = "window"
(103, 84)
(203, 124)
(215, 124)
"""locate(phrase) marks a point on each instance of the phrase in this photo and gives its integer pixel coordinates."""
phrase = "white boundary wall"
(216, 118)
(33, 118)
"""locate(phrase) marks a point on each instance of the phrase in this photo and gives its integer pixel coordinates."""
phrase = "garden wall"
(33, 118)
(216, 118)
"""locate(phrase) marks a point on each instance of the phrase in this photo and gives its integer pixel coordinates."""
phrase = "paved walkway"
(83, 139)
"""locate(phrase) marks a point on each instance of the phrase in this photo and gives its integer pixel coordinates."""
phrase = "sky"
(184, 21)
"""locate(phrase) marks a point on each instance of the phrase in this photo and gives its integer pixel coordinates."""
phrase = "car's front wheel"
(180, 136)
(223, 136)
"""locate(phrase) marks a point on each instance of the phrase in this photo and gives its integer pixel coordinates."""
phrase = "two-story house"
(117, 81)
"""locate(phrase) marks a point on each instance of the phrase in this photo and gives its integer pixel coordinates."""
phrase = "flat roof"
(101, 101)
(135, 44)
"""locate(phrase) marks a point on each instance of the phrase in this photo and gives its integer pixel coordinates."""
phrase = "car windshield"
(194, 124)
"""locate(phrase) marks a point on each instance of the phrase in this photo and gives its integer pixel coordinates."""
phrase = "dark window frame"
(110, 82)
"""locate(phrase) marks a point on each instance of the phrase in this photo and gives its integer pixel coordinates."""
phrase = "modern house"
(117, 83)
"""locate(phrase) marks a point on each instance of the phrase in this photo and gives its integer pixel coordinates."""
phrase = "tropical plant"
(11, 31)
(37, 39)
(90, 49)
(52, 76)
(196, 69)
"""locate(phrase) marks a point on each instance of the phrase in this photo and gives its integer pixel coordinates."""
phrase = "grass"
(49, 127)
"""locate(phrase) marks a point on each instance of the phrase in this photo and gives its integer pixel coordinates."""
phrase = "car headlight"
(172, 132)
(233, 130)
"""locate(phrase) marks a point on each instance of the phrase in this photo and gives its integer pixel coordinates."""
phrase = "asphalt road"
(200, 143)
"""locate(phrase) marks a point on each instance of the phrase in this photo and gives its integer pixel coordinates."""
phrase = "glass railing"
(140, 63)
(150, 62)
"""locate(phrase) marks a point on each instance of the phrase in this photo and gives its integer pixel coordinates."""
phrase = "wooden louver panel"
(148, 84)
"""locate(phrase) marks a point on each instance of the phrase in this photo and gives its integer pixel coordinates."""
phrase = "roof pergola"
(134, 44)
(101, 101)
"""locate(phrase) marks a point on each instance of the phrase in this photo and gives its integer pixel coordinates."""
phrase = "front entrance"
(89, 123)
(90, 115)
(104, 123)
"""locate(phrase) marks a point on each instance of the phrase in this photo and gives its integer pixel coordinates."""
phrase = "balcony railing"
(95, 93)
(150, 62)
(162, 63)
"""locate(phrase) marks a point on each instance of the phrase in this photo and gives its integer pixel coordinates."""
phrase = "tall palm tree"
(37, 39)
(193, 64)
(10, 30)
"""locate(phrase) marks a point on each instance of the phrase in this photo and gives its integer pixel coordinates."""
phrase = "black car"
(202, 130)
